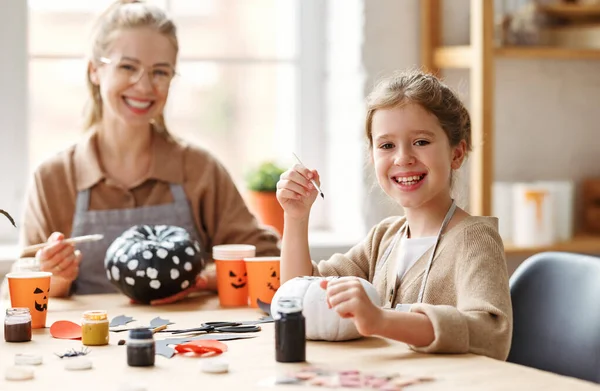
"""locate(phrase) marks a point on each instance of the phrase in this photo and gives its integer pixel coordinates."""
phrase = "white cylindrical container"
(533, 218)
(563, 194)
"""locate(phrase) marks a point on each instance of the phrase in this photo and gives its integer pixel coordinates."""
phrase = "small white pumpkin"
(322, 322)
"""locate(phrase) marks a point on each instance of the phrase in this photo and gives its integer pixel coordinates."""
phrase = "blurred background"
(260, 79)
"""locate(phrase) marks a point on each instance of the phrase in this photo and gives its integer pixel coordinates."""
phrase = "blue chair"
(556, 310)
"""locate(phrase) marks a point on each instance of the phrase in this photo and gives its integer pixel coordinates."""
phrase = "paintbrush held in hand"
(314, 183)
(31, 250)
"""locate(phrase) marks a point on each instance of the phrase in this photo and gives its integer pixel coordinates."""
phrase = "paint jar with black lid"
(17, 325)
(140, 348)
(290, 331)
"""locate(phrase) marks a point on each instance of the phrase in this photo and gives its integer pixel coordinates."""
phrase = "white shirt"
(411, 250)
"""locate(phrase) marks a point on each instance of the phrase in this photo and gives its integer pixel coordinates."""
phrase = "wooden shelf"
(461, 56)
(453, 57)
(575, 12)
(543, 52)
(585, 244)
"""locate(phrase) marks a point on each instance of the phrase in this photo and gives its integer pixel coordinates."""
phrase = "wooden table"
(252, 361)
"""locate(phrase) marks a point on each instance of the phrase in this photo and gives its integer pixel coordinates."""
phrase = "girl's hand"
(295, 193)
(349, 299)
(59, 258)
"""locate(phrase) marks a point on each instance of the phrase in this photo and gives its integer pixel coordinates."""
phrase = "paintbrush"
(312, 180)
(154, 330)
(78, 239)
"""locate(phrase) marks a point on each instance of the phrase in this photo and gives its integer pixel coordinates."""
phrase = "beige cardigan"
(467, 295)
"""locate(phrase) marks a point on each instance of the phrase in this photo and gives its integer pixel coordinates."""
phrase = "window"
(248, 86)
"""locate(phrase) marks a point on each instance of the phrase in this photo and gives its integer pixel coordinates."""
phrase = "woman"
(128, 169)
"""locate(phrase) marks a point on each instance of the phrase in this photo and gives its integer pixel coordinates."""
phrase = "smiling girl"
(128, 169)
(441, 272)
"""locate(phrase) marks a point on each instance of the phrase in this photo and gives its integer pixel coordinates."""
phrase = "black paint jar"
(17, 325)
(140, 348)
(290, 331)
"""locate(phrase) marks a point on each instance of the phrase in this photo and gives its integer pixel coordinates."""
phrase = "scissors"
(220, 327)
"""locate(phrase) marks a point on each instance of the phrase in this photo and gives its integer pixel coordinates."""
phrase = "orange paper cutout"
(202, 348)
(64, 329)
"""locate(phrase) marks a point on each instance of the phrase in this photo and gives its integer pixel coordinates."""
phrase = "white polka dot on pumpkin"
(147, 254)
(185, 284)
(123, 258)
(133, 264)
(162, 253)
(108, 275)
(155, 284)
(130, 280)
(189, 251)
(115, 273)
(175, 259)
(197, 246)
(187, 266)
(140, 273)
(174, 274)
(152, 273)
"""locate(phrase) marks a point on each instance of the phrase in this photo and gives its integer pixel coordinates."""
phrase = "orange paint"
(537, 196)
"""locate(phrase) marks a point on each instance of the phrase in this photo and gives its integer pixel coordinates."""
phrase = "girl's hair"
(430, 93)
(124, 14)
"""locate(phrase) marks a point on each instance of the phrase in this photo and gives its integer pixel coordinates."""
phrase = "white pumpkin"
(322, 322)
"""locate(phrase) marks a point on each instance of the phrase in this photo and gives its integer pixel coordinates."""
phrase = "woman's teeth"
(409, 180)
(138, 104)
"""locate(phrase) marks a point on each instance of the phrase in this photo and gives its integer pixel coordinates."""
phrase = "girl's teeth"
(137, 104)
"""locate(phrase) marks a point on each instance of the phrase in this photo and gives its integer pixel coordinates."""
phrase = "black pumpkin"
(153, 262)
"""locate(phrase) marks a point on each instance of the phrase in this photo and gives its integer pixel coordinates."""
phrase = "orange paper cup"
(30, 290)
(232, 280)
(263, 278)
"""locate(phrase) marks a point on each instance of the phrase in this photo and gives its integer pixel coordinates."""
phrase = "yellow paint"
(537, 196)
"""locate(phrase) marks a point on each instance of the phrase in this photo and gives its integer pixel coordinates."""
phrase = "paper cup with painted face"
(263, 278)
(232, 280)
(31, 289)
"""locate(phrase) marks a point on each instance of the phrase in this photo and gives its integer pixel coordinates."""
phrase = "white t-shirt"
(411, 250)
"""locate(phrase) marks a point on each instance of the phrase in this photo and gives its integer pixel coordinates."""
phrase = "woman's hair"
(124, 14)
(430, 93)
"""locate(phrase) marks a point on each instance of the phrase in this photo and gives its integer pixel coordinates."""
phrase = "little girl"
(442, 270)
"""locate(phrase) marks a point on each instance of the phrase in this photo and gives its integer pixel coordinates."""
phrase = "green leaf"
(8, 216)
(264, 177)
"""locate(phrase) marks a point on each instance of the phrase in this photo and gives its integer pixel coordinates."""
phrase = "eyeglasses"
(130, 71)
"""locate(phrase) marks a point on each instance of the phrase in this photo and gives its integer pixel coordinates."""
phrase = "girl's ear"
(93, 72)
(458, 155)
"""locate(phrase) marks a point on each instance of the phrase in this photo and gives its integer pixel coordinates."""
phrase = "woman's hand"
(59, 258)
(295, 193)
(349, 299)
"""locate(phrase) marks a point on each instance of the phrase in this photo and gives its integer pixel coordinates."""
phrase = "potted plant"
(262, 186)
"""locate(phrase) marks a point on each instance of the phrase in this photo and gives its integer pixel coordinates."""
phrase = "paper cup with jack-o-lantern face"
(263, 278)
(232, 278)
(30, 289)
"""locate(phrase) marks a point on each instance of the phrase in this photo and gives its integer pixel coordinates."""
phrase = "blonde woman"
(128, 170)
(442, 270)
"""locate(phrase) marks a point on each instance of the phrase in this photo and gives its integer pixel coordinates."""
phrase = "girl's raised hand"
(295, 193)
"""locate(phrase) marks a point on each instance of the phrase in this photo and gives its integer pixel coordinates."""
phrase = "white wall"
(13, 112)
